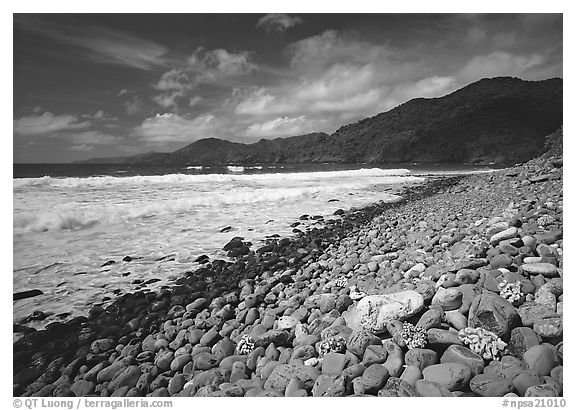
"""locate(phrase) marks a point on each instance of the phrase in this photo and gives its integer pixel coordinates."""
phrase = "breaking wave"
(100, 181)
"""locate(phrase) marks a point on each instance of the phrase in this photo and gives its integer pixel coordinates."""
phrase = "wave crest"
(100, 181)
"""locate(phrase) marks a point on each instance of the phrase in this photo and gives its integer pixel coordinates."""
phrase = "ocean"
(71, 220)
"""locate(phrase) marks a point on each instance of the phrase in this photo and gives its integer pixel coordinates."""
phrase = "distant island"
(499, 120)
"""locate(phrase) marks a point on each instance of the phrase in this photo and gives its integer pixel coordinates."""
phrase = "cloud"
(100, 45)
(46, 123)
(281, 126)
(220, 63)
(134, 106)
(499, 63)
(88, 140)
(168, 99)
(331, 47)
(202, 67)
(194, 100)
(82, 148)
(92, 137)
(100, 116)
(336, 78)
(171, 127)
(175, 79)
(278, 22)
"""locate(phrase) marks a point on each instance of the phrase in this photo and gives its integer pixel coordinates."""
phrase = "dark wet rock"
(36, 316)
(27, 294)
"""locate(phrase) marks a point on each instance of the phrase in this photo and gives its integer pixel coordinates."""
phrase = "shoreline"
(198, 341)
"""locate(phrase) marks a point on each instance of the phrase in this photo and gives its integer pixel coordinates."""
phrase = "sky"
(101, 85)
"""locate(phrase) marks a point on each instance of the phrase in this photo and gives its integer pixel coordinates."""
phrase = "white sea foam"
(66, 226)
(196, 167)
(72, 216)
(206, 178)
(233, 168)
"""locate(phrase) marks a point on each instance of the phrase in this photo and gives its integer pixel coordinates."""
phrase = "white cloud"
(331, 47)
(281, 126)
(278, 22)
(46, 123)
(175, 79)
(169, 99)
(337, 79)
(194, 100)
(257, 102)
(171, 127)
(221, 63)
(212, 66)
(101, 45)
(82, 147)
(499, 63)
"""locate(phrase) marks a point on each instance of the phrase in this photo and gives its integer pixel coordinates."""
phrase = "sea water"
(70, 220)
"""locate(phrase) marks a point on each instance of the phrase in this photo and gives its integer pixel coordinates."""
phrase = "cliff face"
(501, 120)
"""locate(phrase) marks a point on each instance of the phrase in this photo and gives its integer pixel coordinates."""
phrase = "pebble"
(430, 389)
(540, 358)
(503, 235)
(421, 358)
(461, 354)
(374, 378)
(549, 327)
(281, 375)
(448, 299)
(329, 386)
(453, 376)
(334, 363)
(522, 339)
(428, 262)
(545, 269)
(487, 385)
(359, 340)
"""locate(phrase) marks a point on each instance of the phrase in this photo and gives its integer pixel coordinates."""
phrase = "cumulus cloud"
(203, 66)
(46, 123)
(172, 127)
(214, 64)
(336, 77)
(168, 99)
(278, 22)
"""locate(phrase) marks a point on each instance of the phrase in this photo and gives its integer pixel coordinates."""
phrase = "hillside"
(501, 120)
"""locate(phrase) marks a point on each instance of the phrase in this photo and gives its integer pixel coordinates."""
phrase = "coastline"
(185, 339)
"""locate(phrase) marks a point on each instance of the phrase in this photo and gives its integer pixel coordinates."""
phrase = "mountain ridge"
(493, 120)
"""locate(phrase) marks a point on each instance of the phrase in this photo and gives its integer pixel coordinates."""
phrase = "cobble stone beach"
(454, 291)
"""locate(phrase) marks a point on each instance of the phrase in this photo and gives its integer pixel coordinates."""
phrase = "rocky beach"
(454, 291)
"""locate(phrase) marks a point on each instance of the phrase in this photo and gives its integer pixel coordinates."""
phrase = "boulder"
(374, 311)
(491, 312)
